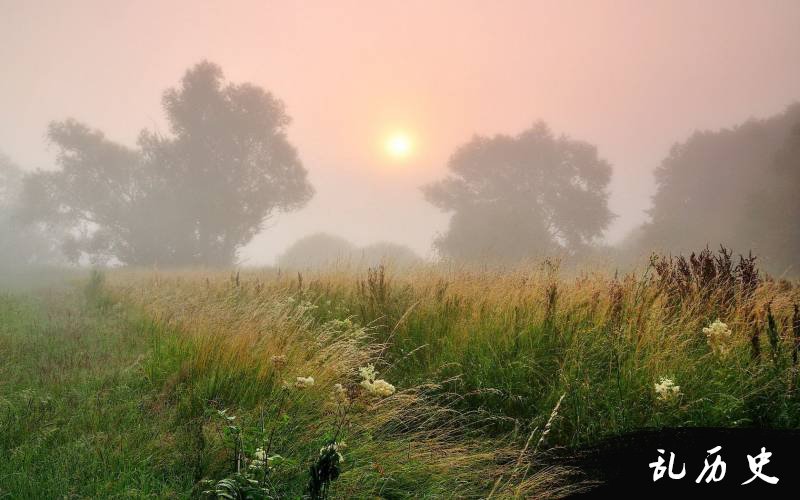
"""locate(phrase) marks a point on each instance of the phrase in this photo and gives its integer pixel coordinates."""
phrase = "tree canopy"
(323, 249)
(316, 250)
(388, 253)
(10, 181)
(522, 196)
(192, 197)
(780, 218)
(19, 245)
(735, 187)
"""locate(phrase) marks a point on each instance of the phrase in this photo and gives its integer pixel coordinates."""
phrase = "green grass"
(113, 389)
(100, 399)
(74, 405)
(511, 344)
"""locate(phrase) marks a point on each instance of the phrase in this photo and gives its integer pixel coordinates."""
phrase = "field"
(259, 382)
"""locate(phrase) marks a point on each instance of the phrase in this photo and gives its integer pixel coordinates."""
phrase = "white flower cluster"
(336, 448)
(375, 387)
(380, 388)
(260, 460)
(304, 382)
(666, 390)
(719, 337)
(368, 372)
(339, 393)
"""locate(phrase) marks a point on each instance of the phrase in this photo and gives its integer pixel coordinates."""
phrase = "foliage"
(20, 245)
(509, 343)
(443, 381)
(528, 195)
(78, 412)
(324, 471)
(10, 179)
(316, 250)
(320, 249)
(386, 253)
(735, 187)
(252, 345)
(193, 197)
(775, 206)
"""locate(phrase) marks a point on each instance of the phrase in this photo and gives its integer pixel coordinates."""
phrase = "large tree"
(194, 196)
(522, 196)
(736, 187)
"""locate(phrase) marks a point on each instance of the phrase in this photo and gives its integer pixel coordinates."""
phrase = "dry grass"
(481, 358)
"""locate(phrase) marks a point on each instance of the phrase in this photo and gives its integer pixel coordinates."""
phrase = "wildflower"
(666, 390)
(383, 388)
(379, 387)
(304, 382)
(260, 459)
(339, 393)
(368, 372)
(718, 336)
(325, 470)
(334, 448)
(279, 361)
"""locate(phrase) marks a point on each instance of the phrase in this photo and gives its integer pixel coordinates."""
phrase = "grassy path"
(76, 418)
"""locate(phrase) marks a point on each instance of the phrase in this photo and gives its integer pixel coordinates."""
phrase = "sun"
(399, 145)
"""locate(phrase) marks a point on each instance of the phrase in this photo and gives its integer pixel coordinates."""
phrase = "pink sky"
(630, 77)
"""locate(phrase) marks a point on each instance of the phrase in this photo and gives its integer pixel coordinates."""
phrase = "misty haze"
(339, 249)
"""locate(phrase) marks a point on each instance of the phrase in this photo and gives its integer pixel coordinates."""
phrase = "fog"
(629, 78)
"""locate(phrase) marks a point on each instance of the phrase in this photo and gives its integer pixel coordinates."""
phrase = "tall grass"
(481, 358)
(238, 343)
(175, 383)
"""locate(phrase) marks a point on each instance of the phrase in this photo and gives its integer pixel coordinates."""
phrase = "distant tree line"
(536, 194)
(736, 187)
(196, 195)
(322, 249)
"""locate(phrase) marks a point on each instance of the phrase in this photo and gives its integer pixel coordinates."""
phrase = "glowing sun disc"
(399, 145)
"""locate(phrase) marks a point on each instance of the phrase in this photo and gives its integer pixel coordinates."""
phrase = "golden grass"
(599, 340)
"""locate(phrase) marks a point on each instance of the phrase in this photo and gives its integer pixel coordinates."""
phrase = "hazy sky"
(631, 77)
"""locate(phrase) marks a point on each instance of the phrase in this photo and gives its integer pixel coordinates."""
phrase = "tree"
(317, 250)
(388, 253)
(734, 187)
(322, 249)
(10, 181)
(193, 197)
(19, 246)
(775, 208)
(522, 196)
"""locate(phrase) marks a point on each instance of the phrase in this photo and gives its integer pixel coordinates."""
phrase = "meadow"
(435, 382)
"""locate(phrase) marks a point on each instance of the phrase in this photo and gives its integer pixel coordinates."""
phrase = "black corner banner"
(694, 462)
